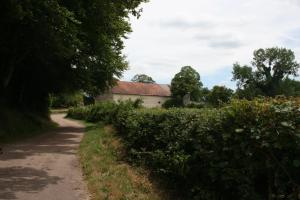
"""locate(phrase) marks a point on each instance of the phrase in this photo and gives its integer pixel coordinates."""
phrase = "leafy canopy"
(60, 45)
(269, 67)
(186, 82)
(219, 95)
(142, 78)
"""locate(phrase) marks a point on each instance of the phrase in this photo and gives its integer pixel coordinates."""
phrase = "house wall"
(149, 101)
(105, 97)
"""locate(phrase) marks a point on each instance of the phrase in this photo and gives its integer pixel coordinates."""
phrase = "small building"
(152, 94)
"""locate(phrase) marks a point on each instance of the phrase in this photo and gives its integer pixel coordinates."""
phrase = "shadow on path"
(44, 167)
(61, 141)
(20, 179)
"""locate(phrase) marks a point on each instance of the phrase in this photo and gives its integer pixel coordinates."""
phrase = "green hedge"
(65, 100)
(103, 111)
(247, 150)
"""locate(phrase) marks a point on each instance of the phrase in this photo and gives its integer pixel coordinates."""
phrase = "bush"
(247, 150)
(103, 111)
(197, 105)
(80, 113)
(172, 103)
(66, 100)
(88, 100)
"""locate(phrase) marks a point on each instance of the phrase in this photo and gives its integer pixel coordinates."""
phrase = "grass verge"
(109, 177)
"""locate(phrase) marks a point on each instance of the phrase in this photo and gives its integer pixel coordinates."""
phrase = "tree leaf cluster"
(142, 78)
(219, 95)
(270, 70)
(59, 46)
(186, 82)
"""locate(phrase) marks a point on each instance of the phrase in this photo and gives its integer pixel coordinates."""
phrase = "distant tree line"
(271, 73)
(142, 78)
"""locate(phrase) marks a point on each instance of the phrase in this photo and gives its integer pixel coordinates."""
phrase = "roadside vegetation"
(209, 144)
(56, 48)
(108, 174)
(61, 101)
(245, 150)
(60, 47)
(15, 125)
(272, 72)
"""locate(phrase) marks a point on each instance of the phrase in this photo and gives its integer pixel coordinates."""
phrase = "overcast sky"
(209, 35)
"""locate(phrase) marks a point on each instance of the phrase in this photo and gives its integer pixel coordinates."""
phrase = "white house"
(152, 94)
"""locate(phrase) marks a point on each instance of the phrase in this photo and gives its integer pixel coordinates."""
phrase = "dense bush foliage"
(66, 100)
(247, 150)
(172, 103)
(103, 111)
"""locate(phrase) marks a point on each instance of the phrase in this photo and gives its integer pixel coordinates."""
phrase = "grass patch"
(109, 177)
(15, 126)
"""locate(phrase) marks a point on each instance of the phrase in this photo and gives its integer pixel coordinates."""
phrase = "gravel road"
(45, 167)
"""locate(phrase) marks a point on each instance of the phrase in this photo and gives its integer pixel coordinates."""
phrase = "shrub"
(66, 100)
(88, 100)
(80, 113)
(247, 150)
(172, 103)
(103, 111)
(197, 105)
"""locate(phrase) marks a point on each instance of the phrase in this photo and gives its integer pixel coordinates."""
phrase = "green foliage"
(80, 113)
(142, 78)
(138, 103)
(59, 46)
(88, 100)
(172, 103)
(197, 105)
(66, 100)
(269, 68)
(103, 111)
(15, 125)
(187, 81)
(204, 94)
(107, 174)
(210, 151)
(219, 95)
(247, 150)
(289, 87)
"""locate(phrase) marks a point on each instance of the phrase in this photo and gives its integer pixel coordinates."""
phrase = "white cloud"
(209, 35)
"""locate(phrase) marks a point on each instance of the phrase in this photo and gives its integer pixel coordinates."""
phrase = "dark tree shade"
(60, 45)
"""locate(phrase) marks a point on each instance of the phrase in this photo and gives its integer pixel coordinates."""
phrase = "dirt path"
(46, 167)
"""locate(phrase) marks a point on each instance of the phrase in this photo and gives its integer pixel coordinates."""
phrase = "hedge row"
(103, 111)
(247, 150)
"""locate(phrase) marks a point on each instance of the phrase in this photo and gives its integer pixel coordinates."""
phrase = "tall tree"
(269, 68)
(142, 78)
(219, 95)
(186, 82)
(60, 45)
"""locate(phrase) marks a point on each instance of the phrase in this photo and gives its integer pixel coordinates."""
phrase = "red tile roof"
(143, 89)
